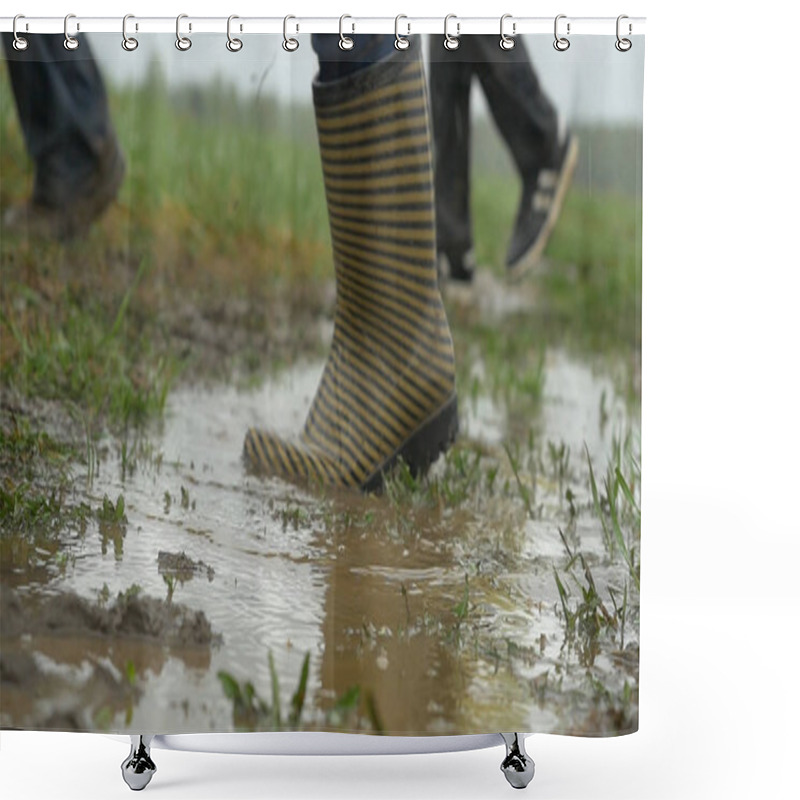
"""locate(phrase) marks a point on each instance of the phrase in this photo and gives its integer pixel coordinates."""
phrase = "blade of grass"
(620, 540)
(276, 694)
(562, 593)
(627, 492)
(607, 537)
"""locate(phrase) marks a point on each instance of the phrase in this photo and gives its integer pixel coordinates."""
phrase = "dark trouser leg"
(524, 115)
(527, 122)
(450, 79)
(63, 111)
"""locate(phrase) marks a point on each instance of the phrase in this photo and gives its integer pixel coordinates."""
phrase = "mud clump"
(68, 663)
(181, 567)
(130, 615)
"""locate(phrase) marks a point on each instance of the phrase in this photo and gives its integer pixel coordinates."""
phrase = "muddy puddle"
(446, 595)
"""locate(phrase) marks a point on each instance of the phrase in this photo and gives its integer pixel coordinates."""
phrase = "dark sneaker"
(456, 266)
(539, 209)
(87, 204)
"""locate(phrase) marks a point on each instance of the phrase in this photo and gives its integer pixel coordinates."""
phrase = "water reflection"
(446, 619)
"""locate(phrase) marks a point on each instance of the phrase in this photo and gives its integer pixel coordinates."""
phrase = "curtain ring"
(70, 42)
(401, 42)
(289, 45)
(234, 45)
(451, 42)
(345, 42)
(507, 42)
(128, 42)
(623, 45)
(561, 43)
(183, 43)
(20, 43)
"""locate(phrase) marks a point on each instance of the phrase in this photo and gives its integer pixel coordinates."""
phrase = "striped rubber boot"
(388, 388)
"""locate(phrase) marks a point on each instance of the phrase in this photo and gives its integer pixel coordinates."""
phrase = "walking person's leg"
(450, 81)
(388, 387)
(63, 113)
(544, 155)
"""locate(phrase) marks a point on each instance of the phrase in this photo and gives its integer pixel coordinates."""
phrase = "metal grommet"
(20, 43)
(183, 43)
(70, 42)
(623, 45)
(507, 42)
(561, 43)
(345, 42)
(401, 42)
(128, 42)
(289, 45)
(234, 45)
(451, 42)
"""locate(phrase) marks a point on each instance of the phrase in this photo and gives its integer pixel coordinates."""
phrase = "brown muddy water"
(446, 615)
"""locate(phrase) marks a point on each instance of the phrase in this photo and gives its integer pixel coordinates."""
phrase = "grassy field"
(223, 210)
(214, 267)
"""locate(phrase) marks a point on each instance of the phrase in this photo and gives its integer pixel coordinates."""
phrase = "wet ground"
(439, 600)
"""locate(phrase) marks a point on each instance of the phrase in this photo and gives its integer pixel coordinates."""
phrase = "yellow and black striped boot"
(388, 388)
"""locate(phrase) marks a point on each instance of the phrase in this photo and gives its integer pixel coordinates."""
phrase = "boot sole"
(528, 261)
(423, 447)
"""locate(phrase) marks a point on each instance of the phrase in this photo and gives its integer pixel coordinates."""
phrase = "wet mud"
(129, 615)
(65, 661)
(442, 590)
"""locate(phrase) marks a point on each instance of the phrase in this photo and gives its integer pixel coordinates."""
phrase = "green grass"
(591, 291)
(617, 508)
(113, 525)
(223, 198)
(33, 452)
(35, 488)
(223, 203)
(592, 288)
(615, 504)
(465, 477)
(228, 170)
(220, 205)
(526, 484)
(216, 204)
(92, 363)
(221, 230)
(253, 712)
(30, 511)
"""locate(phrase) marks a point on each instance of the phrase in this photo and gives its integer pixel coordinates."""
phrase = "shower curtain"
(320, 384)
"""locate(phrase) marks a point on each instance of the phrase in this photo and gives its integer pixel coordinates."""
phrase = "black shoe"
(456, 266)
(539, 209)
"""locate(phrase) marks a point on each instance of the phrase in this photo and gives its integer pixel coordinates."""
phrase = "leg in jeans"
(388, 387)
(63, 112)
